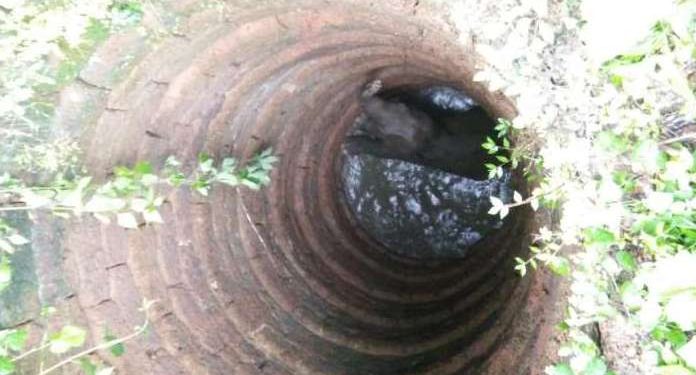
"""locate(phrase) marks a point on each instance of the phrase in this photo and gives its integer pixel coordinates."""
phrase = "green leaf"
(172, 162)
(563, 326)
(74, 197)
(96, 31)
(68, 338)
(6, 366)
(106, 371)
(672, 275)
(228, 165)
(117, 350)
(138, 204)
(560, 266)
(559, 369)
(176, 179)
(127, 220)
(205, 163)
(151, 215)
(17, 239)
(267, 152)
(201, 185)
(646, 154)
(149, 179)
(626, 260)
(143, 168)
(616, 80)
(612, 142)
(16, 340)
(631, 294)
(599, 236)
(101, 203)
(5, 273)
(688, 352)
(521, 269)
(681, 308)
(595, 367)
(675, 336)
(203, 157)
(87, 366)
(6, 246)
(227, 179)
(624, 59)
(251, 184)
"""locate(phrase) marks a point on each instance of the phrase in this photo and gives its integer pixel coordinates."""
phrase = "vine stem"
(48, 207)
(19, 208)
(104, 345)
(677, 139)
(30, 352)
(533, 197)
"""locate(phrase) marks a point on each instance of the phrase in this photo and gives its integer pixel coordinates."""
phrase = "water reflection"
(419, 211)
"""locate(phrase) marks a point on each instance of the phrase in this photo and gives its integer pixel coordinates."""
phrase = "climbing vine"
(44, 45)
(133, 197)
(618, 155)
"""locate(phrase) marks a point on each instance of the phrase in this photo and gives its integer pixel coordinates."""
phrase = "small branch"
(30, 352)
(533, 197)
(678, 139)
(104, 345)
(19, 208)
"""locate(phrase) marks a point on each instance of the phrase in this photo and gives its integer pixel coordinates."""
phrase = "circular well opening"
(285, 280)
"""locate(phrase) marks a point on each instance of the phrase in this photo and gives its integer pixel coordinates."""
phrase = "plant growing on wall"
(44, 46)
(623, 173)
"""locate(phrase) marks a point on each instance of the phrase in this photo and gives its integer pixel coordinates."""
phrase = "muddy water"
(417, 211)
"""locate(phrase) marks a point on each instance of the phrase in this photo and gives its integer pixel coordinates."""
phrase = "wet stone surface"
(418, 211)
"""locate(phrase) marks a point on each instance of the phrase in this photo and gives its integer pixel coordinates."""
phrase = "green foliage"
(7, 367)
(5, 273)
(67, 338)
(560, 369)
(626, 260)
(117, 349)
(598, 237)
(508, 156)
(75, 57)
(87, 366)
(628, 201)
(130, 194)
(133, 194)
(45, 46)
(254, 175)
(13, 347)
(12, 340)
(126, 13)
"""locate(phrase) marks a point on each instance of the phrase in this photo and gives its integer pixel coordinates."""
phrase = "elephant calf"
(452, 143)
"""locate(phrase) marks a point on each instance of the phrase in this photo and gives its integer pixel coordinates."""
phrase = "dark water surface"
(418, 211)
